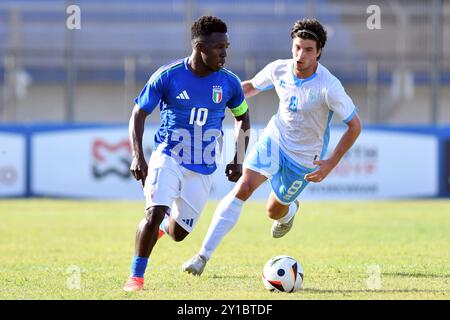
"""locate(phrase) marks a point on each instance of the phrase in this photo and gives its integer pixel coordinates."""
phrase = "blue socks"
(138, 266)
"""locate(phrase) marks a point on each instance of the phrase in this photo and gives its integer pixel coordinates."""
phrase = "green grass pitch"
(57, 249)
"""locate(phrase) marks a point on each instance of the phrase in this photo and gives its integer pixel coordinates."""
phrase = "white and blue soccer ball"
(282, 273)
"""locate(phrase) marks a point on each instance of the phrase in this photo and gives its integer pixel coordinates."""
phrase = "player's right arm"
(145, 103)
(139, 167)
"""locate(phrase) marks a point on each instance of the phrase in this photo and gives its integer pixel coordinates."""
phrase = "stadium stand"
(385, 71)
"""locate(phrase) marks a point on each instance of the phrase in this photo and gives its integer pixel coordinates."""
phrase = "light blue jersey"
(299, 133)
(301, 126)
(192, 109)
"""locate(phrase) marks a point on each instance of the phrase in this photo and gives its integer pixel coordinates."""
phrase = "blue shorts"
(285, 175)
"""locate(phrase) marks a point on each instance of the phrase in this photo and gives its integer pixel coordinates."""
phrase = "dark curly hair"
(206, 25)
(316, 32)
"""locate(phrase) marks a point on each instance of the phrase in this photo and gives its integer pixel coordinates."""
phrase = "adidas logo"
(189, 222)
(183, 95)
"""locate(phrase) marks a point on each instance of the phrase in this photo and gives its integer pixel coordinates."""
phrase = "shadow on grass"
(312, 290)
(416, 275)
(221, 276)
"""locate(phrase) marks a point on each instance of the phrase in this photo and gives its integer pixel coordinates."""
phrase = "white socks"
(225, 217)
(291, 212)
(164, 226)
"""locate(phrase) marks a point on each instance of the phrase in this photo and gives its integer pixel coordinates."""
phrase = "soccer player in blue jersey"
(192, 94)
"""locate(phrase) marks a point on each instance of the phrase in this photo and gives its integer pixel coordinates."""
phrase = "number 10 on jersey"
(199, 115)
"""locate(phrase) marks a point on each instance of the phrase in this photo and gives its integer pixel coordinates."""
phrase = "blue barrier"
(442, 133)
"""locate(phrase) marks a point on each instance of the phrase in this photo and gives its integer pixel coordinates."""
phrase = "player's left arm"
(345, 143)
(242, 137)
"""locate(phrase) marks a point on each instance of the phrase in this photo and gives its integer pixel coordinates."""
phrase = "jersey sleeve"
(263, 80)
(339, 101)
(152, 93)
(237, 103)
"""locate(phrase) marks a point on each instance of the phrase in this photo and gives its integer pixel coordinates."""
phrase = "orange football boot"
(134, 284)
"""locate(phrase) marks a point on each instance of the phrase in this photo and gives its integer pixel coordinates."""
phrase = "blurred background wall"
(398, 74)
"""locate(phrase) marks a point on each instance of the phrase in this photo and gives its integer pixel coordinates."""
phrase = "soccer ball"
(282, 273)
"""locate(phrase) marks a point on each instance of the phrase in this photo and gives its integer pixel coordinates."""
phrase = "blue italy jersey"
(192, 109)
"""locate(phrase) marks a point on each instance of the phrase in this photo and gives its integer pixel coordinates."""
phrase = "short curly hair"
(206, 25)
(314, 31)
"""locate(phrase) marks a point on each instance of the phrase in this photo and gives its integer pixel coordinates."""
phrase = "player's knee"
(155, 214)
(178, 235)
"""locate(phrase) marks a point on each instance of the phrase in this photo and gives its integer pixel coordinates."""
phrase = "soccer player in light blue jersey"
(291, 152)
(192, 95)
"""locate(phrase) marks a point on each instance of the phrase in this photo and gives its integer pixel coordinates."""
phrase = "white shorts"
(169, 184)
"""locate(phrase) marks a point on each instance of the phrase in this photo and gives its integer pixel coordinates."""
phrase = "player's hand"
(325, 167)
(139, 169)
(233, 171)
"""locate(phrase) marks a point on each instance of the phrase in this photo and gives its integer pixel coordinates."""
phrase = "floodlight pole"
(69, 58)
(11, 67)
(129, 82)
(436, 59)
(189, 21)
